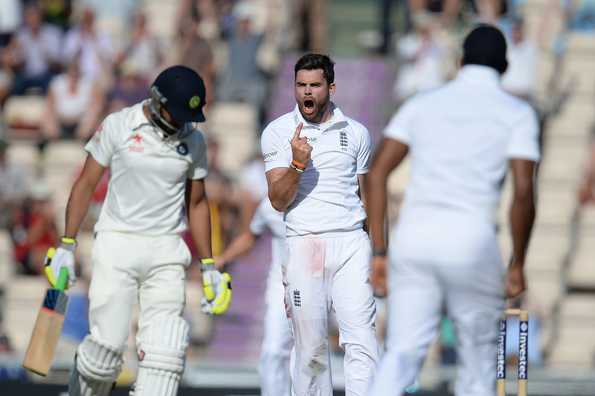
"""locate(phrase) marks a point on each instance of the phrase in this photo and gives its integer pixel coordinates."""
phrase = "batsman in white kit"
(315, 160)
(277, 338)
(462, 139)
(157, 159)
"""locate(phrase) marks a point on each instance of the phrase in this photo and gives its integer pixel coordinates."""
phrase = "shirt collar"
(337, 118)
(138, 118)
(478, 74)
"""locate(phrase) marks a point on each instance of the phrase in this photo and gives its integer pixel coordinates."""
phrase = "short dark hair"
(485, 45)
(315, 62)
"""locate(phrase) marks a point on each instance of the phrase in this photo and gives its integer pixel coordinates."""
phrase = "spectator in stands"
(193, 51)
(523, 56)
(586, 193)
(385, 25)
(34, 230)
(142, 52)
(36, 53)
(5, 80)
(57, 12)
(421, 59)
(311, 21)
(10, 20)
(92, 47)
(242, 80)
(489, 11)
(446, 11)
(74, 105)
(205, 13)
(130, 87)
(13, 186)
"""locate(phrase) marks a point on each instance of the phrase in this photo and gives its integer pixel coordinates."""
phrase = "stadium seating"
(234, 126)
(566, 147)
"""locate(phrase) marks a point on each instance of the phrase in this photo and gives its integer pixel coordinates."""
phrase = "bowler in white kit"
(157, 159)
(315, 161)
(462, 140)
(277, 338)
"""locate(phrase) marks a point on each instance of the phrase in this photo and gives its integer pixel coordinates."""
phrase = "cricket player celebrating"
(462, 138)
(315, 160)
(158, 164)
(277, 339)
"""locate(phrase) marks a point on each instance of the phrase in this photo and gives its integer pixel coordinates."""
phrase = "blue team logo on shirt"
(182, 149)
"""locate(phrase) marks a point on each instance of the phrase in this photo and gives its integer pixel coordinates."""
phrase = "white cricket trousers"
(277, 338)
(128, 269)
(473, 295)
(324, 273)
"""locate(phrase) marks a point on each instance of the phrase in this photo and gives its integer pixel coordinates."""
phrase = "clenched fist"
(300, 148)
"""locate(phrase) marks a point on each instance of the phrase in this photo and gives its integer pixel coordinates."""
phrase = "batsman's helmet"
(181, 92)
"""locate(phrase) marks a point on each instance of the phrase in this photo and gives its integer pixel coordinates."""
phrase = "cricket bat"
(48, 327)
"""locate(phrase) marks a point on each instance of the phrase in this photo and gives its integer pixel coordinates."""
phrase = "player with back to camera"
(315, 161)
(157, 159)
(462, 139)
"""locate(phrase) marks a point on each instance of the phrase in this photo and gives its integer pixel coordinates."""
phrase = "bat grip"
(62, 279)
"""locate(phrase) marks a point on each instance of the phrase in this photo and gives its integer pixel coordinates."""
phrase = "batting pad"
(96, 368)
(161, 357)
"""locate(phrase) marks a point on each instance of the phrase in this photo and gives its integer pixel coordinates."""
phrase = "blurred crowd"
(77, 61)
(65, 65)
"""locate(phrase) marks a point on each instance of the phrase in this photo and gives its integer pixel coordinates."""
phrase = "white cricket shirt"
(148, 174)
(266, 217)
(460, 139)
(327, 199)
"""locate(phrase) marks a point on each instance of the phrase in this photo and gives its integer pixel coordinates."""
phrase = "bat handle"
(62, 279)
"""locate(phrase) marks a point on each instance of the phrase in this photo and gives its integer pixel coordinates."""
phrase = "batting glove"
(62, 257)
(216, 288)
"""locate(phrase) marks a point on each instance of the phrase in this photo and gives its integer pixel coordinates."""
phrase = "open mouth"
(309, 104)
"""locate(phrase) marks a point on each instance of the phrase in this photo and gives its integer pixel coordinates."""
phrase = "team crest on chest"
(343, 140)
(182, 148)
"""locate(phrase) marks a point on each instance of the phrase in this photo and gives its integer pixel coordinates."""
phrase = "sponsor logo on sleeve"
(270, 156)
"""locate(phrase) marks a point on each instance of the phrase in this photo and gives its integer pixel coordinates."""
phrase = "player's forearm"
(522, 217)
(78, 206)
(199, 219)
(239, 246)
(283, 191)
(376, 208)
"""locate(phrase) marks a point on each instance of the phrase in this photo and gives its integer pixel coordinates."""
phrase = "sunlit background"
(90, 58)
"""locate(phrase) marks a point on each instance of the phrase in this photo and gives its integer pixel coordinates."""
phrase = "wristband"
(68, 244)
(298, 165)
(68, 241)
(295, 168)
(379, 253)
(207, 263)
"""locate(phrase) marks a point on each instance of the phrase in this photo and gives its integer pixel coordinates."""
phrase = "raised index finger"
(296, 135)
